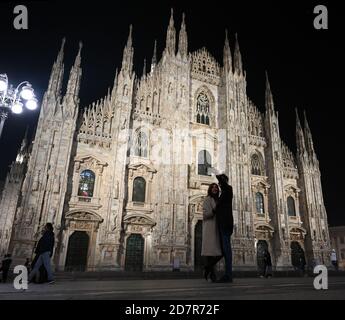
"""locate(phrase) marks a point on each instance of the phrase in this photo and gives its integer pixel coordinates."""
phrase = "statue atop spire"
(128, 52)
(56, 77)
(300, 141)
(269, 96)
(227, 57)
(308, 137)
(73, 86)
(144, 68)
(238, 66)
(154, 57)
(183, 39)
(22, 153)
(171, 36)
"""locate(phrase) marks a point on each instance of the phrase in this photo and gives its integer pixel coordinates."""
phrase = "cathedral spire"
(269, 96)
(73, 86)
(300, 141)
(308, 137)
(23, 148)
(56, 77)
(154, 57)
(238, 66)
(227, 57)
(183, 39)
(144, 68)
(128, 52)
(171, 36)
(113, 91)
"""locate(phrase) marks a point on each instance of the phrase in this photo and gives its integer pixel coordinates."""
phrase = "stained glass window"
(203, 109)
(257, 167)
(86, 184)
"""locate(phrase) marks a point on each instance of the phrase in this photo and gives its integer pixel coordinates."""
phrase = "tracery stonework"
(137, 150)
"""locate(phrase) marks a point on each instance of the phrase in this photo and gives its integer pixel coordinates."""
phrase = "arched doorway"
(134, 253)
(261, 249)
(297, 256)
(198, 262)
(78, 246)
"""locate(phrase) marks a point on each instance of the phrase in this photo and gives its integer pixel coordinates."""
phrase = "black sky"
(305, 66)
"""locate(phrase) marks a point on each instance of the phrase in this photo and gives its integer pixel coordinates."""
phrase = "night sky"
(305, 65)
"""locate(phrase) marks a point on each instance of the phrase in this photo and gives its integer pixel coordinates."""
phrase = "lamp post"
(13, 99)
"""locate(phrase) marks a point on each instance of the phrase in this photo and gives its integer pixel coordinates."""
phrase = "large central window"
(139, 189)
(259, 201)
(203, 109)
(204, 163)
(141, 145)
(291, 207)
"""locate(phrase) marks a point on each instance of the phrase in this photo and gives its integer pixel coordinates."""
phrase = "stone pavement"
(179, 289)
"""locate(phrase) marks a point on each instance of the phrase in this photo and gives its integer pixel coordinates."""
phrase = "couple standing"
(218, 224)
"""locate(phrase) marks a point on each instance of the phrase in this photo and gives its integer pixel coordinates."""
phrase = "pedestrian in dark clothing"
(41, 276)
(268, 264)
(302, 264)
(5, 267)
(44, 250)
(225, 222)
(28, 265)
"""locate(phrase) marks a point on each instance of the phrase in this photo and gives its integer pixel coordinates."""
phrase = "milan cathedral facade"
(123, 180)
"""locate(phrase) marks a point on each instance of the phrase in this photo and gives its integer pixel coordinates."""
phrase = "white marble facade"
(155, 131)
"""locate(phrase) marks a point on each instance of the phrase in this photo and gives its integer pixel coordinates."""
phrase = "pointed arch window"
(259, 201)
(139, 190)
(257, 166)
(204, 163)
(141, 145)
(86, 184)
(203, 109)
(291, 207)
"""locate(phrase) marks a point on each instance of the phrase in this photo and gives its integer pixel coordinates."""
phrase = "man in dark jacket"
(226, 223)
(44, 249)
(268, 264)
(5, 267)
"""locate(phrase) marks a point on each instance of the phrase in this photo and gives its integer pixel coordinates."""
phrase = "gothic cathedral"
(123, 180)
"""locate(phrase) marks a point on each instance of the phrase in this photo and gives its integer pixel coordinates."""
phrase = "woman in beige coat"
(211, 246)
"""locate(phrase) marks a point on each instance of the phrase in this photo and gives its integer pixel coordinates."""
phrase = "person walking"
(28, 265)
(268, 264)
(334, 259)
(5, 267)
(211, 248)
(302, 264)
(225, 223)
(44, 250)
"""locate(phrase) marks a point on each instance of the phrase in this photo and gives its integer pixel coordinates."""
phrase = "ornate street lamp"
(14, 99)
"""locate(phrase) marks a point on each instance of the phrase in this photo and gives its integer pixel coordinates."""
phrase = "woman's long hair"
(209, 192)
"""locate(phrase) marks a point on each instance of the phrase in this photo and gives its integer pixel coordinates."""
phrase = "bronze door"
(134, 253)
(78, 246)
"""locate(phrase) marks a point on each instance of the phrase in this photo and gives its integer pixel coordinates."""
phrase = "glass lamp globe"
(27, 93)
(31, 104)
(3, 85)
(17, 108)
